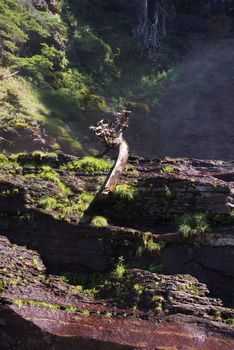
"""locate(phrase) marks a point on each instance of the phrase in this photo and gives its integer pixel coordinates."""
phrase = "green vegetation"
(16, 25)
(44, 304)
(120, 268)
(157, 303)
(168, 169)
(83, 284)
(193, 224)
(99, 221)
(48, 203)
(125, 192)
(192, 288)
(71, 309)
(169, 193)
(152, 246)
(88, 165)
(149, 245)
(54, 177)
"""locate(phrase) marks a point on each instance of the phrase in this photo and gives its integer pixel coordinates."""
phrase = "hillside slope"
(78, 61)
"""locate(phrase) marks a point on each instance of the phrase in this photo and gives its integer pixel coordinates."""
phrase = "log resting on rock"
(111, 135)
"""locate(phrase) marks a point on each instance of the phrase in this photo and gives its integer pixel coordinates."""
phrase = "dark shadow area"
(18, 334)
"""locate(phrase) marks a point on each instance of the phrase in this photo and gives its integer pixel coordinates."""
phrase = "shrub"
(99, 221)
(193, 224)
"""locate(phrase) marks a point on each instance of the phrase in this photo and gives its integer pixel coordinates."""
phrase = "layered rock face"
(49, 312)
(48, 203)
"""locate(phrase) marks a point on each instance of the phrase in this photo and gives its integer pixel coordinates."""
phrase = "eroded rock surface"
(47, 203)
(48, 311)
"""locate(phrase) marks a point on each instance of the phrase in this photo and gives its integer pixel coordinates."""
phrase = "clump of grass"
(3, 158)
(169, 193)
(168, 169)
(53, 176)
(120, 268)
(88, 165)
(99, 221)
(193, 224)
(8, 162)
(152, 246)
(86, 197)
(149, 244)
(71, 309)
(125, 192)
(49, 203)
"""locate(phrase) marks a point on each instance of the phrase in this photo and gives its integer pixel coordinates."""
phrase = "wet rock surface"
(46, 311)
(161, 290)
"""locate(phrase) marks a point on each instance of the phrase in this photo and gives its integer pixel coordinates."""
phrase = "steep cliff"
(132, 274)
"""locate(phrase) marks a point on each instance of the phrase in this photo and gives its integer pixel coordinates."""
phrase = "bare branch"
(2, 77)
(111, 134)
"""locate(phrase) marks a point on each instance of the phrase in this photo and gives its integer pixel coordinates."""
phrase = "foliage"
(125, 192)
(169, 193)
(48, 203)
(17, 23)
(83, 283)
(149, 245)
(20, 302)
(54, 177)
(192, 224)
(86, 197)
(153, 84)
(168, 169)
(152, 246)
(120, 268)
(99, 221)
(88, 165)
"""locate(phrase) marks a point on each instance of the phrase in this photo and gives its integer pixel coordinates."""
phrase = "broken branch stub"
(111, 135)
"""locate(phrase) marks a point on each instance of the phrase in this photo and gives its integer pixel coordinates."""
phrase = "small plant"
(125, 192)
(139, 288)
(88, 165)
(99, 221)
(192, 288)
(193, 224)
(36, 263)
(157, 302)
(86, 197)
(169, 193)
(3, 159)
(49, 203)
(54, 177)
(71, 309)
(168, 169)
(152, 246)
(149, 243)
(120, 268)
(85, 312)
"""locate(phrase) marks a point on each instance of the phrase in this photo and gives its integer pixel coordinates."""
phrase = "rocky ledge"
(38, 310)
(118, 271)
